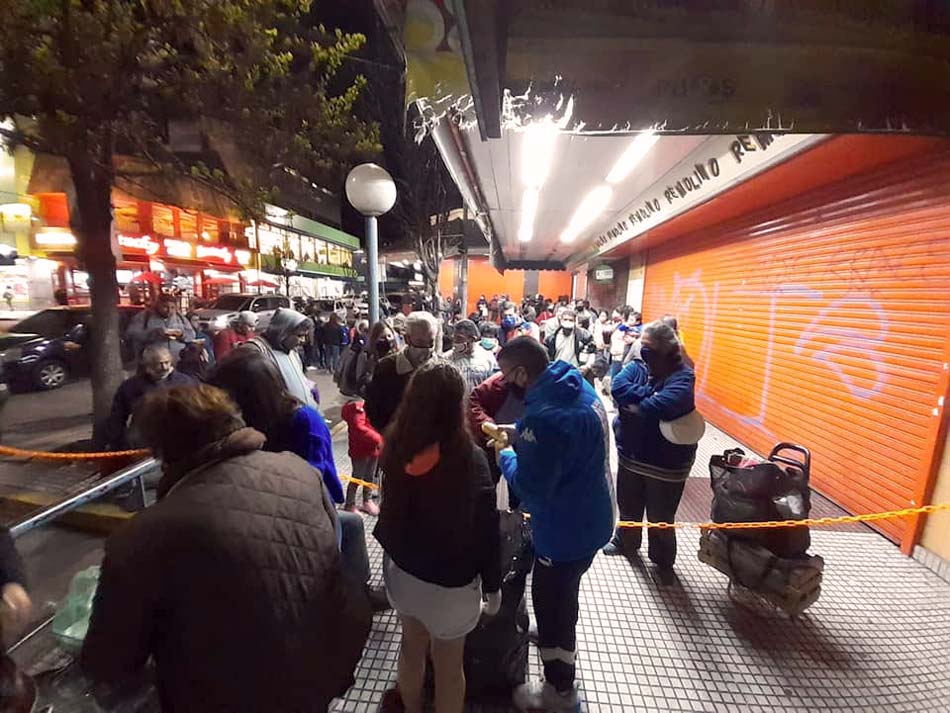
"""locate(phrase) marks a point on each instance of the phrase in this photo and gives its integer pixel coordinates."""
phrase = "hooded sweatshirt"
(560, 467)
(279, 344)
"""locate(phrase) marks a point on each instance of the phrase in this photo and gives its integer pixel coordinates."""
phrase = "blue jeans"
(333, 356)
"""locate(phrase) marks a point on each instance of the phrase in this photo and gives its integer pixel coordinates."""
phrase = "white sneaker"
(541, 696)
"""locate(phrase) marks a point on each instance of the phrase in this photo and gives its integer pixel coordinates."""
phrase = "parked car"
(44, 350)
(218, 314)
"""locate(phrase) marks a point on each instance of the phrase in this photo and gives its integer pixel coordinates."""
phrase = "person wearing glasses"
(384, 393)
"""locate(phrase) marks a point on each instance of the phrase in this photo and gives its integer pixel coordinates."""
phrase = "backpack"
(345, 375)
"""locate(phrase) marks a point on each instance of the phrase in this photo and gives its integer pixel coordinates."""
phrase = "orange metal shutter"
(825, 321)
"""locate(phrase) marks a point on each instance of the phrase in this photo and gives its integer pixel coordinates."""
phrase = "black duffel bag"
(749, 490)
(496, 652)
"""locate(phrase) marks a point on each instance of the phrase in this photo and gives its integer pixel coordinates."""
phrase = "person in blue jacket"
(257, 387)
(559, 468)
(655, 387)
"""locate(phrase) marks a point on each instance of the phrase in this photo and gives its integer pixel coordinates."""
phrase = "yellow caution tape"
(808, 522)
(45, 455)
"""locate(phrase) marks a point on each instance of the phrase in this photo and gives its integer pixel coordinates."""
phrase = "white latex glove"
(492, 605)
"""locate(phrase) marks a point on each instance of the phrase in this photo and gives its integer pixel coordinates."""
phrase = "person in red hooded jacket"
(365, 445)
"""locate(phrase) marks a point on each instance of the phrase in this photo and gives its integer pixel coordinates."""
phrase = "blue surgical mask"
(509, 322)
(489, 343)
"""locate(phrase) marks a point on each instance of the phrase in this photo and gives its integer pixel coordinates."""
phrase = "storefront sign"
(216, 253)
(54, 238)
(243, 257)
(143, 245)
(603, 274)
(717, 164)
(179, 248)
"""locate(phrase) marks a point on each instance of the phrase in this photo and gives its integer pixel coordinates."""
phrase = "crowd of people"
(247, 583)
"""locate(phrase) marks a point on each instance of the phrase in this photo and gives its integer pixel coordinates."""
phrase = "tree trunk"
(93, 226)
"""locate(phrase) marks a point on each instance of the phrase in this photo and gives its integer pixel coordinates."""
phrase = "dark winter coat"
(583, 344)
(233, 583)
(640, 443)
(127, 397)
(437, 533)
(384, 393)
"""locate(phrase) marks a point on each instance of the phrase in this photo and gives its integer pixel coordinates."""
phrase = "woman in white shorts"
(439, 529)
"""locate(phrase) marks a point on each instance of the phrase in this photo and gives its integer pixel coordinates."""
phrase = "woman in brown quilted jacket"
(232, 581)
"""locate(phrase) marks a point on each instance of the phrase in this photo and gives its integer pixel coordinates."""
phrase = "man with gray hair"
(657, 431)
(392, 374)
(156, 371)
(241, 330)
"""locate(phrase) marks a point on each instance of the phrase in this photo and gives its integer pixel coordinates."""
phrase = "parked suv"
(218, 314)
(45, 349)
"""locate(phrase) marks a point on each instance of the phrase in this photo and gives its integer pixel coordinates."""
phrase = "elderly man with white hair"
(240, 330)
(392, 374)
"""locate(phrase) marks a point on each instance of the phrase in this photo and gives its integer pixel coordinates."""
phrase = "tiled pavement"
(878, 639)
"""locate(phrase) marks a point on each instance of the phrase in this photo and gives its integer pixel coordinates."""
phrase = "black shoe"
(616, 548)
(378, 601)
(392, 702)
(664, 576)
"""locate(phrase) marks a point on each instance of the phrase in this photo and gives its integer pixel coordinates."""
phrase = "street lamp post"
(370, 189)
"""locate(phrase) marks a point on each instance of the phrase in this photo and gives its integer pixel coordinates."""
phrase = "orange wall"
(554, 283)
(483, 279)
(824, 320)
(447, 274)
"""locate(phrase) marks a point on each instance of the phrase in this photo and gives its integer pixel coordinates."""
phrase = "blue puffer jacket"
(638, 434)
(559, 466)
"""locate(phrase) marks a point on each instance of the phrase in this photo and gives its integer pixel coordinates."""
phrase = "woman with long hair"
(380, 344)
(439, 527)
(258, 389)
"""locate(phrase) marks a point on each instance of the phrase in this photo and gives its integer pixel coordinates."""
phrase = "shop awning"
(51, 175)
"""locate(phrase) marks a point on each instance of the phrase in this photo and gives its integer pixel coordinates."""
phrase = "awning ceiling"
(701, 75)
(578, 163)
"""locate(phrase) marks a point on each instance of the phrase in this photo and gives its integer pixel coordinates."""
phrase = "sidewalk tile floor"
(878, 639)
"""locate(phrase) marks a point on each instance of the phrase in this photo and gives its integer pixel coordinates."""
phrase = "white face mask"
(418, 355)
(567, 326)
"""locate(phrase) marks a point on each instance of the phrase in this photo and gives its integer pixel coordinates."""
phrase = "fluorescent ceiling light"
(633, 154)
(537, 150)
(592, 206)
(529, 206)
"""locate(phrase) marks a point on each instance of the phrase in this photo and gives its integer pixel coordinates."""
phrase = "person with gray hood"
(285, 334)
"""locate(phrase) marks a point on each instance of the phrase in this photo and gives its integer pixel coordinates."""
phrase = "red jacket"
(365, 442)
(484, 403)
(227, 339)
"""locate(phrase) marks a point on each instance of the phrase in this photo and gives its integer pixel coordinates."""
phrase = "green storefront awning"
(313, 228)
(310, 269)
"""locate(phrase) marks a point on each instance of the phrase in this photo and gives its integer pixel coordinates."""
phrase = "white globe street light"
(371, 190)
